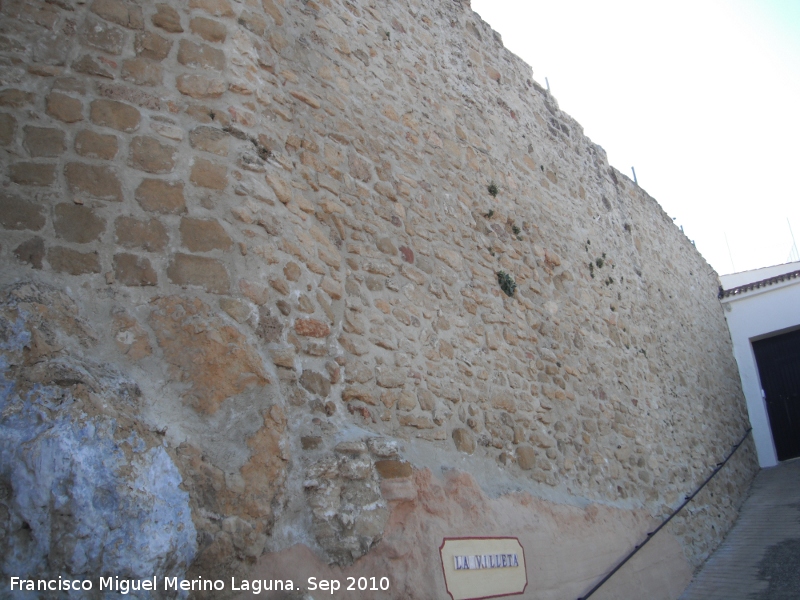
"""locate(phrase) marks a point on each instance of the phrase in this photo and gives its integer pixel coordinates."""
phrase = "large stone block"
(31, 251)
(148, 235)
(43, 141)
(208, 29)
(117, 11)
(200, 56)
(142, 71)
(150, 155)
(116, 115)
(72, 262)
(215, 360)
(151, 45)
(94, 180)
(96, 145)
(218, 8)
(31, 173)
(167, 18)
(133, 270)
(97, 33)
(77, 223)
(165, 197)
(209, 175)
(203, 235)
(207, 273)
(198, 86)
(16, 213)
(312, 328)
(8, 126)
(210, 139)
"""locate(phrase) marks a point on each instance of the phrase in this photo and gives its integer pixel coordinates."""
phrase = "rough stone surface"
(87, 492)
(227, 364)
(323, 187)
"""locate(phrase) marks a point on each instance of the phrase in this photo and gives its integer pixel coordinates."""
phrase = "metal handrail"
(677, 510)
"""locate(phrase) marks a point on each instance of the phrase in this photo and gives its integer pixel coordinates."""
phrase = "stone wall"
(281, 224)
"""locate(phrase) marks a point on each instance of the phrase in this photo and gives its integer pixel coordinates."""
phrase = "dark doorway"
(778, 360)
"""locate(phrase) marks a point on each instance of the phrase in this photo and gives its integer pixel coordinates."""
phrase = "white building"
(762, 307)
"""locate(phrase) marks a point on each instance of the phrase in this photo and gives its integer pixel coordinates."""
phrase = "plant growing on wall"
(493, 189)
(507, 283)
(489, 214)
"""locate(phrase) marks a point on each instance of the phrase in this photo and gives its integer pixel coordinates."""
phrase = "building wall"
(258, 243)
(755, 315)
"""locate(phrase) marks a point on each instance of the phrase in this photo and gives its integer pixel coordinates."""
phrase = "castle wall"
(281, 225)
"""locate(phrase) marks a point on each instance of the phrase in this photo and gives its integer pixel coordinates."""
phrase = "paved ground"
(760, 557)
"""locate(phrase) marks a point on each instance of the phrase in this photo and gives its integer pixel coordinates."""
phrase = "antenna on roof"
(793, 254)
(548, 83)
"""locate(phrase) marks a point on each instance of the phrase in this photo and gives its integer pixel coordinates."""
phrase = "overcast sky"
(702, 97)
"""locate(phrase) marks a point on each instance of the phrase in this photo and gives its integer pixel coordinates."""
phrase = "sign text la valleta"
(485, 561)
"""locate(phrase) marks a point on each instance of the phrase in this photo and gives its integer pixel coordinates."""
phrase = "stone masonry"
(282, 222)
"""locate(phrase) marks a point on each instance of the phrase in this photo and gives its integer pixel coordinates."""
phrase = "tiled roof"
(757, 284)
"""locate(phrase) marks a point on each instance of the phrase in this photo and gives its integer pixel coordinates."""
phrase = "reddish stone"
(408, 254)
(312, 328)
